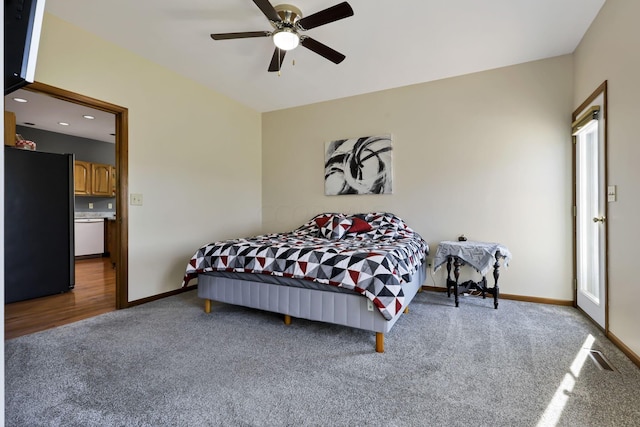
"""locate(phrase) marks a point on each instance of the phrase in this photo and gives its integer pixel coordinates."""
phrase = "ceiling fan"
(288, 23)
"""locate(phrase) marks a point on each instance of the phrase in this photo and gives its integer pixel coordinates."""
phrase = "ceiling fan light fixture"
(286, 39)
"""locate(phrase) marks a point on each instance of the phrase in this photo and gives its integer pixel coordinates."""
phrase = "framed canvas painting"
(358, 166)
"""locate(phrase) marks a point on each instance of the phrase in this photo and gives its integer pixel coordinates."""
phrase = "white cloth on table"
(479, 255)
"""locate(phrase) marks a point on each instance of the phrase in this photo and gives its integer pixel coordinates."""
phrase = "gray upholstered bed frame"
(348, 309)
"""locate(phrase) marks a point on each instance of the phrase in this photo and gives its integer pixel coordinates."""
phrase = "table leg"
(456, 273)
(449, 277)
(496, 289)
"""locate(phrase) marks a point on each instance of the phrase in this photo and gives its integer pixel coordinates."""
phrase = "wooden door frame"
(600, 90)
(122, 177)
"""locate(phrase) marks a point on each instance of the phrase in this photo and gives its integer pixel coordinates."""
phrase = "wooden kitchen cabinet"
(9, 128)
(94, 179)
(100, 180)
(113, 181)
(82, 178)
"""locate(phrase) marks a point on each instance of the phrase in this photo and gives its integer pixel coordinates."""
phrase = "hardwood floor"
(94, 293)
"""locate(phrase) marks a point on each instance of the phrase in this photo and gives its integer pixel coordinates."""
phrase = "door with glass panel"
(590, 209)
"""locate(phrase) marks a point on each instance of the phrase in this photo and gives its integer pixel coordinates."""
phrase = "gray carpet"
(167, 363)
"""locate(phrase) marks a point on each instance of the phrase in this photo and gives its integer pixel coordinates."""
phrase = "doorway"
(589, 130)
(121, 166)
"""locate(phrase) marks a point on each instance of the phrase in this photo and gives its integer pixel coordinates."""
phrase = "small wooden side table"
(479, 255)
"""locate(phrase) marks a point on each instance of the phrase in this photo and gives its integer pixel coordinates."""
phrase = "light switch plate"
(611, 193)
(135, 199)
(90, 205)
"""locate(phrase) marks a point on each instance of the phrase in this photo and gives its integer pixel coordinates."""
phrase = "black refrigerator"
(38, 224)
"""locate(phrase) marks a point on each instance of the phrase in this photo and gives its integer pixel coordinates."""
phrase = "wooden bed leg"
(379, 342)
(287, 319)
(406, 310)
(207, 306)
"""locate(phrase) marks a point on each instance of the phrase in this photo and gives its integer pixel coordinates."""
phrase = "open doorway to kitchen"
(104, 279)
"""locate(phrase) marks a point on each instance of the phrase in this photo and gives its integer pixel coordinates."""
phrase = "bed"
(359, 270)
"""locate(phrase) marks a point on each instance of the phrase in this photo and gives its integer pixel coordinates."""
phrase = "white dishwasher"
(89, 236)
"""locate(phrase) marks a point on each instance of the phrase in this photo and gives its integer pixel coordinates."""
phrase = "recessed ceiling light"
(86, 116)
(63, 123)
(19, 99)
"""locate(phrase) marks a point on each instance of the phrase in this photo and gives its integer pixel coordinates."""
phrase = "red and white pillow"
(336, 228)
(321, 220)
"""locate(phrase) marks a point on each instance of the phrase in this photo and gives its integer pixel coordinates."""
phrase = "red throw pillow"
(359, 225)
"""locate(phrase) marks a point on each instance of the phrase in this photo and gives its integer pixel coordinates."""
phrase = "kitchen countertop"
(91, 215)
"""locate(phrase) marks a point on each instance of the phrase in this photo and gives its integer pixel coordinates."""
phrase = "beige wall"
(609, 51)
(486, 154)
(193, 154)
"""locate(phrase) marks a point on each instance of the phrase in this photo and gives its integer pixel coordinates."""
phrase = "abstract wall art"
(358, 166)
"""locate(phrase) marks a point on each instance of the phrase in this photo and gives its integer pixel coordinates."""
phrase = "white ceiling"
(46, 112)
(387, 44)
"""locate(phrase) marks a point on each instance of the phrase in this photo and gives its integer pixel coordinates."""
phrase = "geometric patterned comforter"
(372, 254)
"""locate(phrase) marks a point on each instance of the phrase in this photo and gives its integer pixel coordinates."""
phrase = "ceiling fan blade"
(322, 50)
(331, 14)
(243, 35)
(268, 10)
(277, 59)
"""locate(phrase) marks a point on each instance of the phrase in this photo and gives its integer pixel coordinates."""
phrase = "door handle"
(601, 219)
